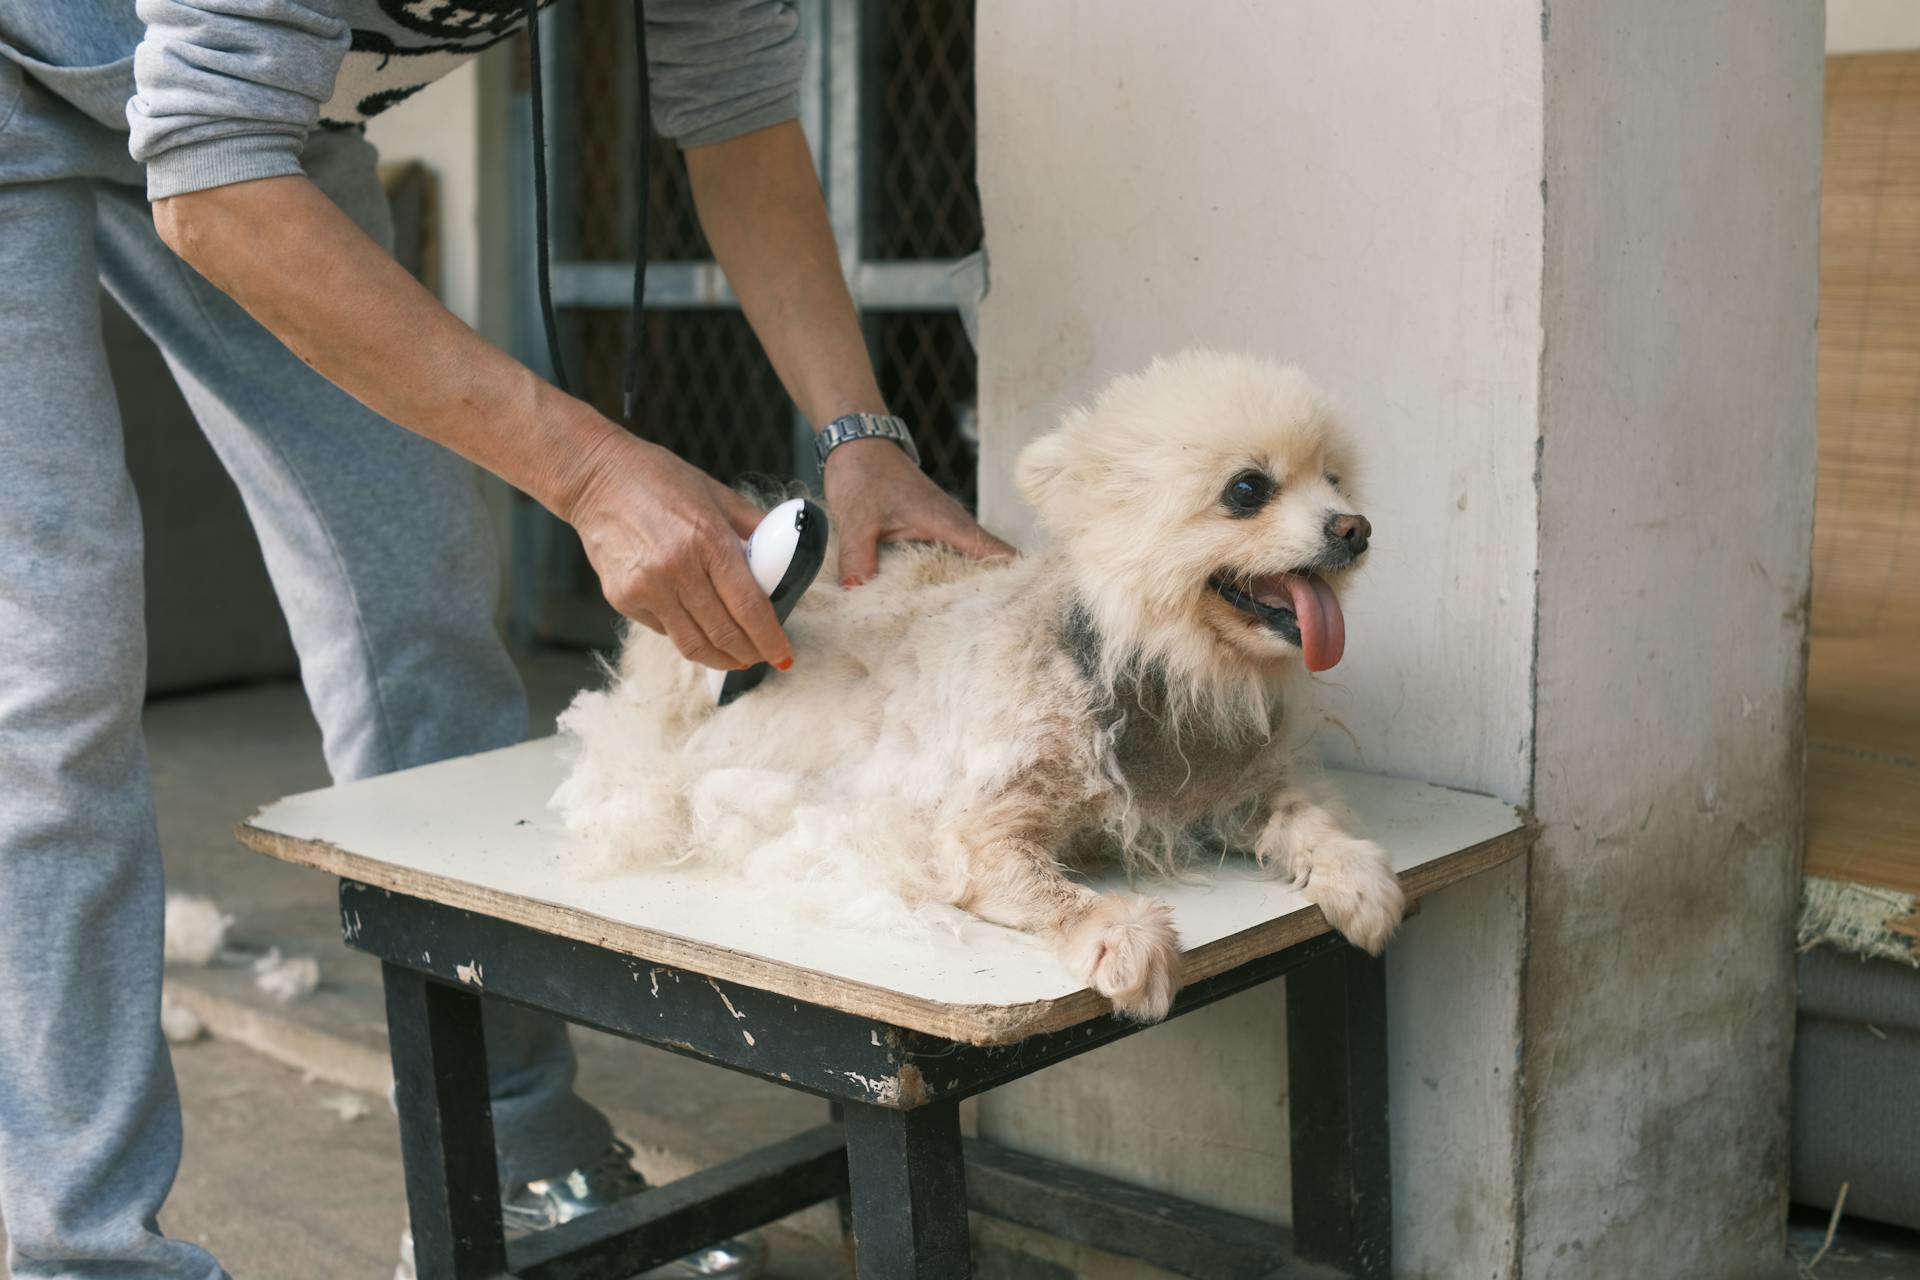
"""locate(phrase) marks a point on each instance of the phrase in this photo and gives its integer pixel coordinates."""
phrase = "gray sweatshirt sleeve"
(227, 90)
(722, 68)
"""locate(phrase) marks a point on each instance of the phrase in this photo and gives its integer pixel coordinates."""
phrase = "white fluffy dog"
(966, 733)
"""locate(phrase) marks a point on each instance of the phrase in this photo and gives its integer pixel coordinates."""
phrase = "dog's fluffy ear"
(1041, 472)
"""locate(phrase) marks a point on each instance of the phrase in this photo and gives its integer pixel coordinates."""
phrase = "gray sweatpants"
(381, 556)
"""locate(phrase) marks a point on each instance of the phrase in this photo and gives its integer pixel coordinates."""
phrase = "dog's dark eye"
(1247, 492)
(1333, 478)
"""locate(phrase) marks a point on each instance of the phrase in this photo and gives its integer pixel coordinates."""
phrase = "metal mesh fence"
(927, 373)
(705, 386)
(606, 112)
(924, 204)
(707, 391)
(922, 198)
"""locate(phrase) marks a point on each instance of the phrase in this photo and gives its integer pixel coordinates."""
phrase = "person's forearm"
(304, 270)
(760, 205)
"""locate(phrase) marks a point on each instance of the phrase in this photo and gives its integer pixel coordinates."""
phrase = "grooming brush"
(784, 553)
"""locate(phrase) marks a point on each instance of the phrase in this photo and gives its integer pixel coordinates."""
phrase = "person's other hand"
(664, 538)
(876, 494)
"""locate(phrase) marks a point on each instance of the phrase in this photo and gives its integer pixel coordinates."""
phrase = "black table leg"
(908, 1180)
(844, 1201)
(1337, 1100)
(446, 1127)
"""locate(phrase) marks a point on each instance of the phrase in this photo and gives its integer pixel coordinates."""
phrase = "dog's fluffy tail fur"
(755, 796)
(625, 796)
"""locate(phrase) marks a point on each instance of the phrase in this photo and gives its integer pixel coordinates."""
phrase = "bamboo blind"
(1863, 695)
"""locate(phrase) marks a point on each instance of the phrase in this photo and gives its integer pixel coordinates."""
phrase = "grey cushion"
(1856, 1094)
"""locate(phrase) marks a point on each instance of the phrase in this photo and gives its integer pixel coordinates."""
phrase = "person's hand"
(876, 494)
(665, 539)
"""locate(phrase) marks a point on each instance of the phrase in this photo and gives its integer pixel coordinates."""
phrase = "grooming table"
(457, 877)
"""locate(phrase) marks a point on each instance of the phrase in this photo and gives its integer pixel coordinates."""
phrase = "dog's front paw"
(1353, 884)
(1126, 949)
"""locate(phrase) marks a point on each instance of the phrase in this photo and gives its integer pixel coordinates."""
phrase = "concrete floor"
(1861, 1250)
(276, 1184)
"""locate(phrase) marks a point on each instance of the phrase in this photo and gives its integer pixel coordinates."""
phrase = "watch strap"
(863, 426)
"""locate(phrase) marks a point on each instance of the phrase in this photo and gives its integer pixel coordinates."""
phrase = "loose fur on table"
(963, 735)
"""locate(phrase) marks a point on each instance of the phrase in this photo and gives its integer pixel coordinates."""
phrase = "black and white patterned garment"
(227, 90)
(382, 68)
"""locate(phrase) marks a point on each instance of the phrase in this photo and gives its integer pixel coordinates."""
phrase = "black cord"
(636, 320)
(542, 271)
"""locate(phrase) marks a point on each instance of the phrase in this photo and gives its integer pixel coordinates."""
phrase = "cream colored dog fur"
(965, 734)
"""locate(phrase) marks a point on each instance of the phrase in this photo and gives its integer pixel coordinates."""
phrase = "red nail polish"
(784, 663)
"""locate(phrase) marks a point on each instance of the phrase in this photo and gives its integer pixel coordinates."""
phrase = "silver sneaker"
(548, 1202)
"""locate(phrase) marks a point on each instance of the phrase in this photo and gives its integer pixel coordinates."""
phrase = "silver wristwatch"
(862, 426)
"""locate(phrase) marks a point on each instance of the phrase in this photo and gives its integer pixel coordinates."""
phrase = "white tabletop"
(475, 833)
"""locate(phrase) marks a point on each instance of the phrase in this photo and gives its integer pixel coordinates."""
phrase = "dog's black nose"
(1350, 530)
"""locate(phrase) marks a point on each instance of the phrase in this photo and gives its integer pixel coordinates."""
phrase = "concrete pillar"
(1494, 234)
(1676, 516)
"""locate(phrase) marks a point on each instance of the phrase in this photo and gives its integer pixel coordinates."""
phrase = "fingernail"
(849, 581)
(784, 663)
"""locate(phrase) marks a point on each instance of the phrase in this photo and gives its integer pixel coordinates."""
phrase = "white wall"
(1347, 188)
(457, 127)
(439, 127)
(1863, 26)
(1355, 188)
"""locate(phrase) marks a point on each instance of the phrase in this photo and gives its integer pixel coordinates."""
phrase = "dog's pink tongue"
(1323, 628)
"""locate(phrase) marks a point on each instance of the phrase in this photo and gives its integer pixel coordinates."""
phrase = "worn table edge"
(977, 1024)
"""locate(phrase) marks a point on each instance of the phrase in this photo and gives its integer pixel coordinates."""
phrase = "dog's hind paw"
(1126, 949)
(1353, 884)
